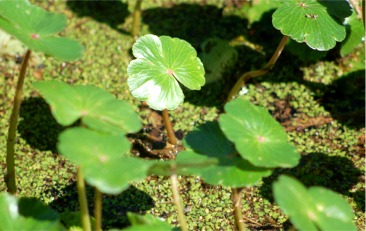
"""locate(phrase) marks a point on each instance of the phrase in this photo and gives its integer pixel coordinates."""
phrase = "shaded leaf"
(311, 208)
(258, 137)
(317, 23)
(161, 63)
(95, 107)
(37, 29)
(356, 32)
(217, 56)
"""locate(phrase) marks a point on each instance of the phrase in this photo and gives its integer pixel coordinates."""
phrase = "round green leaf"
(227, 169)
(37, 29)
(26, 214)
(334, 211)
(147, 222)
(317, 23)
(103, 158)
(258, 137)
(312, 208)
(96, 108)
(161, 63)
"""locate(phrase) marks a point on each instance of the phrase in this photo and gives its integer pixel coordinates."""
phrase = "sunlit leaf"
(313, 208)
(257, 136)
(37, 29)
(207, 142)
(162, 63)
(103, 158)
(95, 107)
(317, 23)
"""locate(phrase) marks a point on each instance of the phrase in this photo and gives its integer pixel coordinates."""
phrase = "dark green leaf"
(312, 22)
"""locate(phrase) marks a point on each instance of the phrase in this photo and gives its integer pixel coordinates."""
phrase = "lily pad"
(37, 29)
(26, 214)
(95, 107)
(258, 137)
(208, 143)
(103, 158)
(317, 23)
(313, 208)
(162, 63)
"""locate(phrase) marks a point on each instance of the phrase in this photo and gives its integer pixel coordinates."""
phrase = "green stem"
(169, 128)
(238, 216)
(13, 124)
(85, 219)
(98, 210)
(251, 74)
(177, 202)
(136, 19)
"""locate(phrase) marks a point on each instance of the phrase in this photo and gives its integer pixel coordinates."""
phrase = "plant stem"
(250, 74)
(98, 210)
(177, 202)
(85, 220)
(238, 216)
(136, 19)
(13, 124)
(169, 128)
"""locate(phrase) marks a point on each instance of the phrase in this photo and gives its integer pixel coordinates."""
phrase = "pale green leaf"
(162, 63)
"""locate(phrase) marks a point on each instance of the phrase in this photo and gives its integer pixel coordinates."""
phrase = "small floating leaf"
(258, 137)
(313, 208)
(317, 23)
(95, 107)
(162, 63)
(37, 29)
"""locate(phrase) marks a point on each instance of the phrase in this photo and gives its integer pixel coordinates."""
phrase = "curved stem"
(169, 128)
(98, 210)
(238, 216)
(85, 219)
(136, 19)
(251, 74)
(177, 202)
(13, 124)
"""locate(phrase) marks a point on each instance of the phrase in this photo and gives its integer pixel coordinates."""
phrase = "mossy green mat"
(319, 104)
